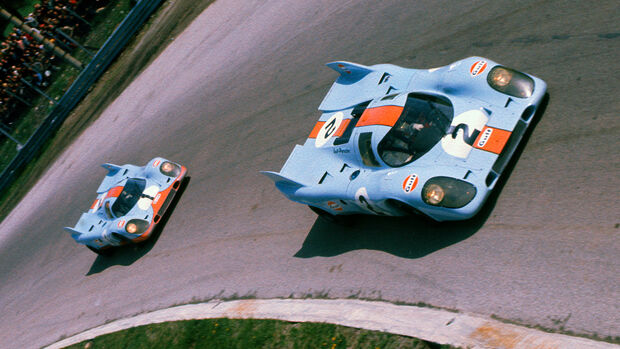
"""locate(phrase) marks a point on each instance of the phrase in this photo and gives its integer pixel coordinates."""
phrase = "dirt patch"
(170, 19)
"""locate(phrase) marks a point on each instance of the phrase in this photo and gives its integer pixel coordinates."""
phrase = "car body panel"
(340, 169)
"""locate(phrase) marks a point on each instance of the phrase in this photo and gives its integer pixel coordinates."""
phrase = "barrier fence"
(97, 66)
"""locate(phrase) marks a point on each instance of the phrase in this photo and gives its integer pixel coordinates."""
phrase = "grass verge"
(227, 333)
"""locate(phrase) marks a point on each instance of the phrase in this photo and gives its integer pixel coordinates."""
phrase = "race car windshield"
(129, 196)
(424, 121)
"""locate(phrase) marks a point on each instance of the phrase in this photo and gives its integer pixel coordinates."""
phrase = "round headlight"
(448, 192)
(137, 226)
(501, 77)
(170, 169)
(131, 228)
(510, 82)
(167, 167)
(433, 194)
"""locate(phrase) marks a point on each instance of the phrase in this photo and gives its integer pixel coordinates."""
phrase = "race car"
(131, 201)
(396, 141)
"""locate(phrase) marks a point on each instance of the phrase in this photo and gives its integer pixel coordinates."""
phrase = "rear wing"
(356, 84)
(359, 83)
(116, 174)
(112, 177)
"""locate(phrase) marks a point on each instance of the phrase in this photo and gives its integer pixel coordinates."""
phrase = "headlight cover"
(510, 82)
(448, 192)
(136, 226)
(170, 169)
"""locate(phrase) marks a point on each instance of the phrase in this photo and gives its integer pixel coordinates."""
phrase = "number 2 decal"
(463, 132)
(328, 129)
(468, 137)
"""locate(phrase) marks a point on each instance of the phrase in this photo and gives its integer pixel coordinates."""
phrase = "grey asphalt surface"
(235, 92)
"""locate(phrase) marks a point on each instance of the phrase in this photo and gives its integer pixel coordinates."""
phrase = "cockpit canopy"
(424, 121)
(131, 193)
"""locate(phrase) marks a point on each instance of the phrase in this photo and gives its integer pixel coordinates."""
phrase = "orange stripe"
(94, 203)
(339, 132)
(343, 126)
(114, 192)
(494, 142)
(316, 129)
(386, 116)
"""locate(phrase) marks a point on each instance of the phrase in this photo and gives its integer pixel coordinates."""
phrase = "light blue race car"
(131, 201)
(396, 141)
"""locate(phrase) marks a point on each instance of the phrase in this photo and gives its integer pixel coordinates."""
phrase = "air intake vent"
(491, 178)
(323, 177)
(528, 113)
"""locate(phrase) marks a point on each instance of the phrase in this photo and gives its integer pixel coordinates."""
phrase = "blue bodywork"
(342, 168)
(145, 193)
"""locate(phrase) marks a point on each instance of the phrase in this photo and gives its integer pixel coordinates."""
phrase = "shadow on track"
(128, 254)
(406, 237)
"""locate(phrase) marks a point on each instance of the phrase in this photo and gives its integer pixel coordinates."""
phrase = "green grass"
(227, 333)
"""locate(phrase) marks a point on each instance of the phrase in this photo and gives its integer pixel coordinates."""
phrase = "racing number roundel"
(463, 132)
(410, 183)
(328, 129)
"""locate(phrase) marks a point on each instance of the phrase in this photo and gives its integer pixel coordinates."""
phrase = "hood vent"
(324, 176)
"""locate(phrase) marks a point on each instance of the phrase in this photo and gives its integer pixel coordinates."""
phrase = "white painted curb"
(434, 325)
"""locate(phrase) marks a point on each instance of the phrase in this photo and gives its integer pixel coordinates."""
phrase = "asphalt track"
(235, 92)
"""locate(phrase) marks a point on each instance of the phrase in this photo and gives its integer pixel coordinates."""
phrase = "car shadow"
(407, 237)
(128, 254)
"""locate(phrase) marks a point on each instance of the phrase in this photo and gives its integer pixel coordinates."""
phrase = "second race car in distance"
(396, 141)
(131, 201)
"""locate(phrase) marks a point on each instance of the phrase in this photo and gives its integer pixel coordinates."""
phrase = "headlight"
(510, 82)
(433, 194)
(136, 226)
(448, 192)
(170, 169)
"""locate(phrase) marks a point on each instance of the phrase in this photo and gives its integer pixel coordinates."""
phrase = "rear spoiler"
(342, 95)
(111, 178)
(349, 72)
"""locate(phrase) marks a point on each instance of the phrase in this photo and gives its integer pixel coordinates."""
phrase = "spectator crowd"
(26, 66)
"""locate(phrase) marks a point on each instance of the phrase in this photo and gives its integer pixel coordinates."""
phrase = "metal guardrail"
(97, 66)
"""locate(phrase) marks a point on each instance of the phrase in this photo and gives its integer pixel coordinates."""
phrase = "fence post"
(19, 145)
